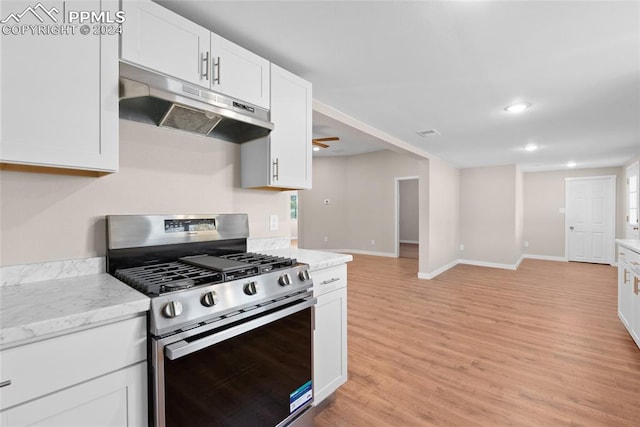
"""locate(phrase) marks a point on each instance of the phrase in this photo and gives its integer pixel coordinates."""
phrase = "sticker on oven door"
(301, 396)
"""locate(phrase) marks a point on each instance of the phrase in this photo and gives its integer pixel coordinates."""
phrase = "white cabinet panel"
(629, 291)
(283, 159)
(161, 40)
(239, 73)
(330, 344)
(59, 93)
(114, 400)
(70, 359)
(625, 294)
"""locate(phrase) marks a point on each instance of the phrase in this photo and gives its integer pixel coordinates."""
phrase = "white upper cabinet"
(59, 93)
(283, 159)
(238, 72)
(161, 40)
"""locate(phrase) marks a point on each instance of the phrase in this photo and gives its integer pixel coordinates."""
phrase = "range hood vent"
(149, 97)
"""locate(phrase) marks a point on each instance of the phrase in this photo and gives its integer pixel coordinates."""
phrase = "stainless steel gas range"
(230, 332)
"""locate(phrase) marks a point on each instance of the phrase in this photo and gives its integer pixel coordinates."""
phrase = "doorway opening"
(407, 217)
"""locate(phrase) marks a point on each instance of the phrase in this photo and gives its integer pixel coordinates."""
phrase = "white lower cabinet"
(117, 399)
(94, 377)
(330, 334)
(629, 291)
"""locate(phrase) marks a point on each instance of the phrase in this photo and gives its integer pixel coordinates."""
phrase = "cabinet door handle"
(5, 383)
(635, 285)
(326, 282)
(205, 66)
(276, 169)
(216, 75)
(625, 272)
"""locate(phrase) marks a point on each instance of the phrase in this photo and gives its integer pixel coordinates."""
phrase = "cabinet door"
(634, 317)
(161, 40)
(59, 93)
(117, 399)
(625, 294)
(239, 73)
(291, 137)
(330, 344)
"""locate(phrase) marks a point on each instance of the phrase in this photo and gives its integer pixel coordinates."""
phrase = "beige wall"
(408, 194)
(440, 215)
(361, 190)
(544, 192)
(489, 225)
(317, 220)
(47, 217)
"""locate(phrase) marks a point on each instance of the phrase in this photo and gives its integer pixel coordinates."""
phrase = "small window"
(633, 200)
(294, 206)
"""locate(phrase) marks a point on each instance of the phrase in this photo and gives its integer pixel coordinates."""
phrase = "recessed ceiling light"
(531, 147)
(518, 107)
(571, 164)
(316, 148)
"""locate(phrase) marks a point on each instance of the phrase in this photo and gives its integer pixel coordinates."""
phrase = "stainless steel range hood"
(150, 97)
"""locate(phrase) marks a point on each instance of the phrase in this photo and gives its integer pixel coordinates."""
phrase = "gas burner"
(167, 277)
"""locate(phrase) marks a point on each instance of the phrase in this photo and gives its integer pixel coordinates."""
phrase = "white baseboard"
(546, 257)
(359, 252)
(490, 264)
(413, 242)
(437, 271)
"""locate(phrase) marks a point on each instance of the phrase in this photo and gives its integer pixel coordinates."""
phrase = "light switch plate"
(273, 222)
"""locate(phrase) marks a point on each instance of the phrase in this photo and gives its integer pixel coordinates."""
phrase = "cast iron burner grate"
(166, 277)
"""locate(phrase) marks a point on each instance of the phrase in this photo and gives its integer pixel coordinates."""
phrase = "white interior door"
(590, 219)
(633, 202)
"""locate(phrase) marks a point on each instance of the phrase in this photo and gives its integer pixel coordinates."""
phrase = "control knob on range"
(251, 288)
(172, 309)
(304, 275)
(284, 280)
(209, 299)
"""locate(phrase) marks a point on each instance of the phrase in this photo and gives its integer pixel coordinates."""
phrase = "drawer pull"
(635, 263)
(625, 276)
(326, 282)
(5, 383)
(635, 285)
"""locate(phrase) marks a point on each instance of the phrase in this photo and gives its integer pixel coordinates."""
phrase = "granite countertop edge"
(35, 311)
(317, 260)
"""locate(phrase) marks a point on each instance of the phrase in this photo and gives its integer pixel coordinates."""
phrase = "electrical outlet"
(526, 244)
(373, 242)
(461, 247)
(273, 222)
(561, 210)
(326, 239)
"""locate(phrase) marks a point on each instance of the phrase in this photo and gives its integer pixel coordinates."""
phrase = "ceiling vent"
(427, 132)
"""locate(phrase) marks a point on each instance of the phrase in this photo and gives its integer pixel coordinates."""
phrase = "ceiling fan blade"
(330, 138)
(319, 144)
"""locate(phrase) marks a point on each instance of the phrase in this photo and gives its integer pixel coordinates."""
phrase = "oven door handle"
(182, 348)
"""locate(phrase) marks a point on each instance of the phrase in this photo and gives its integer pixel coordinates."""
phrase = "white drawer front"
(329, 279)
(630, 257)
(50, 365)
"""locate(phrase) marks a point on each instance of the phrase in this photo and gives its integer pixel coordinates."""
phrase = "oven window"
(255, 379)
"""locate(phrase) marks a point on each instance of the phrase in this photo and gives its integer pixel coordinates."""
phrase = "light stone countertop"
(317, 260)
(30, 312)
(632, 244)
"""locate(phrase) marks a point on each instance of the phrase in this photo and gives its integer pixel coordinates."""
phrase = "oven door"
(250, 372)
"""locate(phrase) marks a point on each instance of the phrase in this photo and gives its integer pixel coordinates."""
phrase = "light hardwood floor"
(540, 346)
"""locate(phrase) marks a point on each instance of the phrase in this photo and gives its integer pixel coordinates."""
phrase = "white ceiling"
(454, 65)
